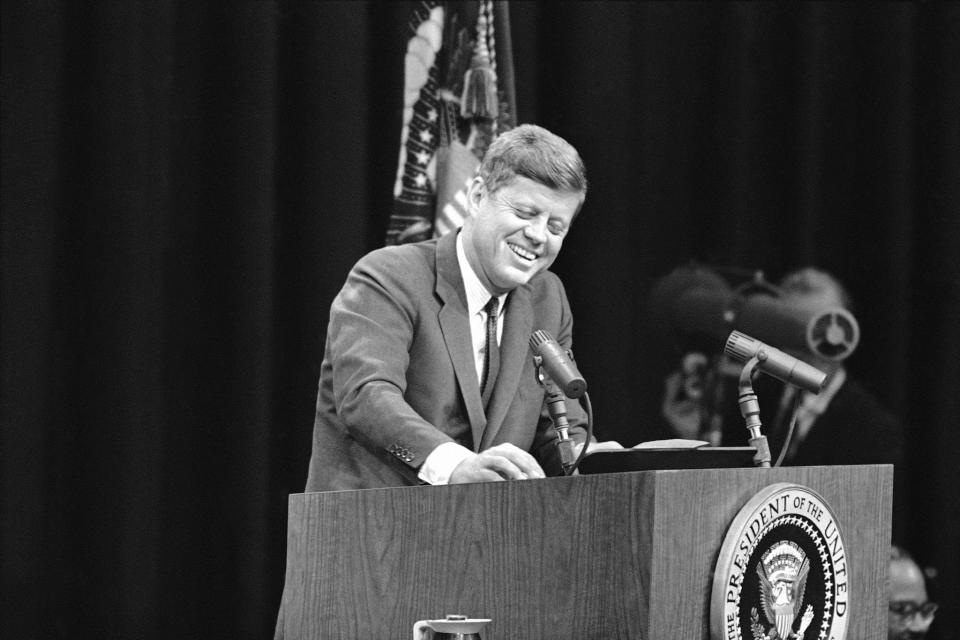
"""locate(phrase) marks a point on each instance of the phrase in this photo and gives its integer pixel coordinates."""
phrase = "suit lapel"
(514, 348)
(455, 326)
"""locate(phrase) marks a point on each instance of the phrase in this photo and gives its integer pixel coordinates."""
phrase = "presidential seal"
(782, 571)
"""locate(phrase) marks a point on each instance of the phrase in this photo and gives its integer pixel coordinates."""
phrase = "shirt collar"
(477, 294)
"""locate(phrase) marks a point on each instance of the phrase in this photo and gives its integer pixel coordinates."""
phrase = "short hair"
(811, 280)
(535, 153)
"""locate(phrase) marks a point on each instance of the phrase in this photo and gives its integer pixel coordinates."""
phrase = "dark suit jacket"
(398, 376)
(854, 428)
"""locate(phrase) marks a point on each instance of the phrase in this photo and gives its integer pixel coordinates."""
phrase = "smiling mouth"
(523, 253)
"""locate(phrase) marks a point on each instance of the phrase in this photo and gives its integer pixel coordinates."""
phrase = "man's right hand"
(502, 462)
(679, 410)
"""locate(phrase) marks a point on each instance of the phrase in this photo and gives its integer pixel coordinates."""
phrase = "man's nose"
(916, 622)
(536, 230)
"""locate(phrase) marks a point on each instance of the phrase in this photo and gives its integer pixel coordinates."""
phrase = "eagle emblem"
(783, 572)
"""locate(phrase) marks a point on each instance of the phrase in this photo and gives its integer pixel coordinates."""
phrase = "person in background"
(910, 612)
(843, 424)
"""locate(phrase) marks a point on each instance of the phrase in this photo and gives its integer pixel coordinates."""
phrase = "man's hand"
(679, 410)
(502, 462)
(683, 394)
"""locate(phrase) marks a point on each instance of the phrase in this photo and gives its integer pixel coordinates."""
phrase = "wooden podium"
(619, 555)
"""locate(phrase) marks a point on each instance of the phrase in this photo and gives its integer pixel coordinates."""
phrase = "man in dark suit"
(427, 375)
(910, 613)
(844, 423)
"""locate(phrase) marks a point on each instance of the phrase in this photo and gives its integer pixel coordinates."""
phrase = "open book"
(676, 453)
(672, 443)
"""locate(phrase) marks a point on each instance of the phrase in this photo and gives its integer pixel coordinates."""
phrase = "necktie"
(491, 363)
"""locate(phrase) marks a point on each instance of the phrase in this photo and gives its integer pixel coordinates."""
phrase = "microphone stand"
(557, 407)
(750, 410)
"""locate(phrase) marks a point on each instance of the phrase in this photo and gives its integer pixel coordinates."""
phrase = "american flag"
(458, 94)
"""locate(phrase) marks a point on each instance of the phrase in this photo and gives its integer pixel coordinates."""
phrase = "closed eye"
(557, 228)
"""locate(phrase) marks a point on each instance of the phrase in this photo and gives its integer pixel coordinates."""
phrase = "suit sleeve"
(371, 328)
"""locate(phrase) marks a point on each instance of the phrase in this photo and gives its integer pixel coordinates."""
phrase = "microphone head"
(774, 362)
(558, 364)
(574, 388)
(537, 338)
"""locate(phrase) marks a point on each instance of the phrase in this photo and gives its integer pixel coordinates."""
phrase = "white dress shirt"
(441, 462)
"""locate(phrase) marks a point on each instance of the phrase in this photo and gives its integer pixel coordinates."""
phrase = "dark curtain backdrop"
(185, 186)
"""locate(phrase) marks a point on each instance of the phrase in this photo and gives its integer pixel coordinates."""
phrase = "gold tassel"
(479, 98)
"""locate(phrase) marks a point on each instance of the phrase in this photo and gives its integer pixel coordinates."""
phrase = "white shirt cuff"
(441, 462)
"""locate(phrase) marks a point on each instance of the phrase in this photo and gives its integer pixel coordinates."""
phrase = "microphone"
(775, 362)
(558, 363)
(563, 377)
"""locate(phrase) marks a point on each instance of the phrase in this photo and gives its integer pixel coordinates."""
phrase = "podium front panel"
(621, 555)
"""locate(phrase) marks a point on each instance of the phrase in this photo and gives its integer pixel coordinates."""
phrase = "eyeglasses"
(907, 609)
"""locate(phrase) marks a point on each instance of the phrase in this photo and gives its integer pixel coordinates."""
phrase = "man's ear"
(475, 193)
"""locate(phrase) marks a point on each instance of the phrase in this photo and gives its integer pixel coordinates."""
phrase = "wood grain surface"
(621, 555)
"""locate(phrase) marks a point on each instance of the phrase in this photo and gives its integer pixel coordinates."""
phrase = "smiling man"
(427, 375)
